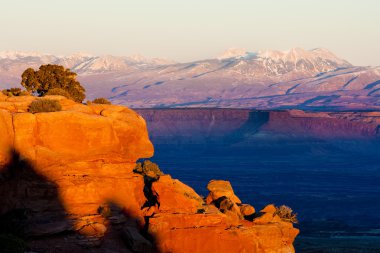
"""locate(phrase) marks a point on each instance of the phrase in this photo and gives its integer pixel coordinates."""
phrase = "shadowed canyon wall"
(325, 165)
(202, 125)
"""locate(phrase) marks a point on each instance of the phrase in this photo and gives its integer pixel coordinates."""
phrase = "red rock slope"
(71, 172)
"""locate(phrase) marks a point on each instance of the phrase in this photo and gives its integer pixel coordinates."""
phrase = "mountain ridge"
(267, 79)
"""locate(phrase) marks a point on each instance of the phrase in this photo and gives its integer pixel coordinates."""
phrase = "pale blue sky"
(191, 29)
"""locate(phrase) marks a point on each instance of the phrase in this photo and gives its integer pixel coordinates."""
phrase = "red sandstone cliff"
(71, 172)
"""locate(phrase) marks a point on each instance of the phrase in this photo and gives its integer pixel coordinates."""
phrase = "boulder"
(267, 215)
(221, 188)
(247, 210)
(269, 209)
(174, 196)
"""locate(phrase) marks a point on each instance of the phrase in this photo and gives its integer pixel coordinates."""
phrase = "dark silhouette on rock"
(70, 181)
(33, 213)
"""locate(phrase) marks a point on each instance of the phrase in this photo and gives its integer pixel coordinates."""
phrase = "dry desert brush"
(103, 101)
(45, 105)
(148, 168)
(286, 214)
(15, 92)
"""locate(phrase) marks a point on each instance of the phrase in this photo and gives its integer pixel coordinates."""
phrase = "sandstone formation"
(67, 183)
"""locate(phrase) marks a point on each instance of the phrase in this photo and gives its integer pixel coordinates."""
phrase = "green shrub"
(11, 244)
(103, 101)
(52, 76)
(59, 92)
(45, 105)
(15, 92)
(286, 214)
(7, 93)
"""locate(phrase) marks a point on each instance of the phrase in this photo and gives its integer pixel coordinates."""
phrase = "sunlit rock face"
(67, 182)
(213, 227)
(68, 164)
(85, 151)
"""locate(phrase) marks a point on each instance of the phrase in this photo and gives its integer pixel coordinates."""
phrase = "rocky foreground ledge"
(69, 183)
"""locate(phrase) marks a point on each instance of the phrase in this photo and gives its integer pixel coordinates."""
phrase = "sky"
(192, 29)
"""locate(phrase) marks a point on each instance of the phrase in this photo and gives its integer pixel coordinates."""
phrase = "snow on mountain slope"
(101, 64)
(72, 61)
(298, 59)
(233, 53)
(297, 78)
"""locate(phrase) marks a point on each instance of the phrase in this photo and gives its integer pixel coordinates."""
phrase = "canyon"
(197, 125)
(69, 182)
(322, 164)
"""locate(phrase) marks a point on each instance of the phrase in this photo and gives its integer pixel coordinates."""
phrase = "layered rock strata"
(68, 183)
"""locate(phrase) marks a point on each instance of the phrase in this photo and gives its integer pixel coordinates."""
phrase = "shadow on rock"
(33, 218)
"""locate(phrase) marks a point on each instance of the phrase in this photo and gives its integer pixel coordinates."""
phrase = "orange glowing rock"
(7, 135)
(247, 210)
(77, 171)
(176, 197)
(220, 188)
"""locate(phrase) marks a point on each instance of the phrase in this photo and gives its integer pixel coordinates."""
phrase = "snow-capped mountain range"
(297, 78)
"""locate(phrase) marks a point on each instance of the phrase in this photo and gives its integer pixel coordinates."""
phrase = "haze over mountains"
(304, 79)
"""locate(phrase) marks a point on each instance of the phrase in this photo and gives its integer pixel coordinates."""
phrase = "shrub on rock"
(103, 101)
(15, 92)
(52, 76)
(45, 105)
(286, 214)
(148, 168)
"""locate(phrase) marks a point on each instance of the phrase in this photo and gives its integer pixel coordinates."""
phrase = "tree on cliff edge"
(53, 77)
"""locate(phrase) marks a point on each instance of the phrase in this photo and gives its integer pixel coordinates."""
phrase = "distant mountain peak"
(138, 58)
(292, 55)
(79, 55)
(239, 78)
(276, 63)
(233, 53)
(298, 53)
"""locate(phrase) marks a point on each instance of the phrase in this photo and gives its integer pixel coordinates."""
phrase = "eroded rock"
(221, 188)
(67, 171)
(176, 197)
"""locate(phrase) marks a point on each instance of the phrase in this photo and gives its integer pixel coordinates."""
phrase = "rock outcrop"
(70, 175)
